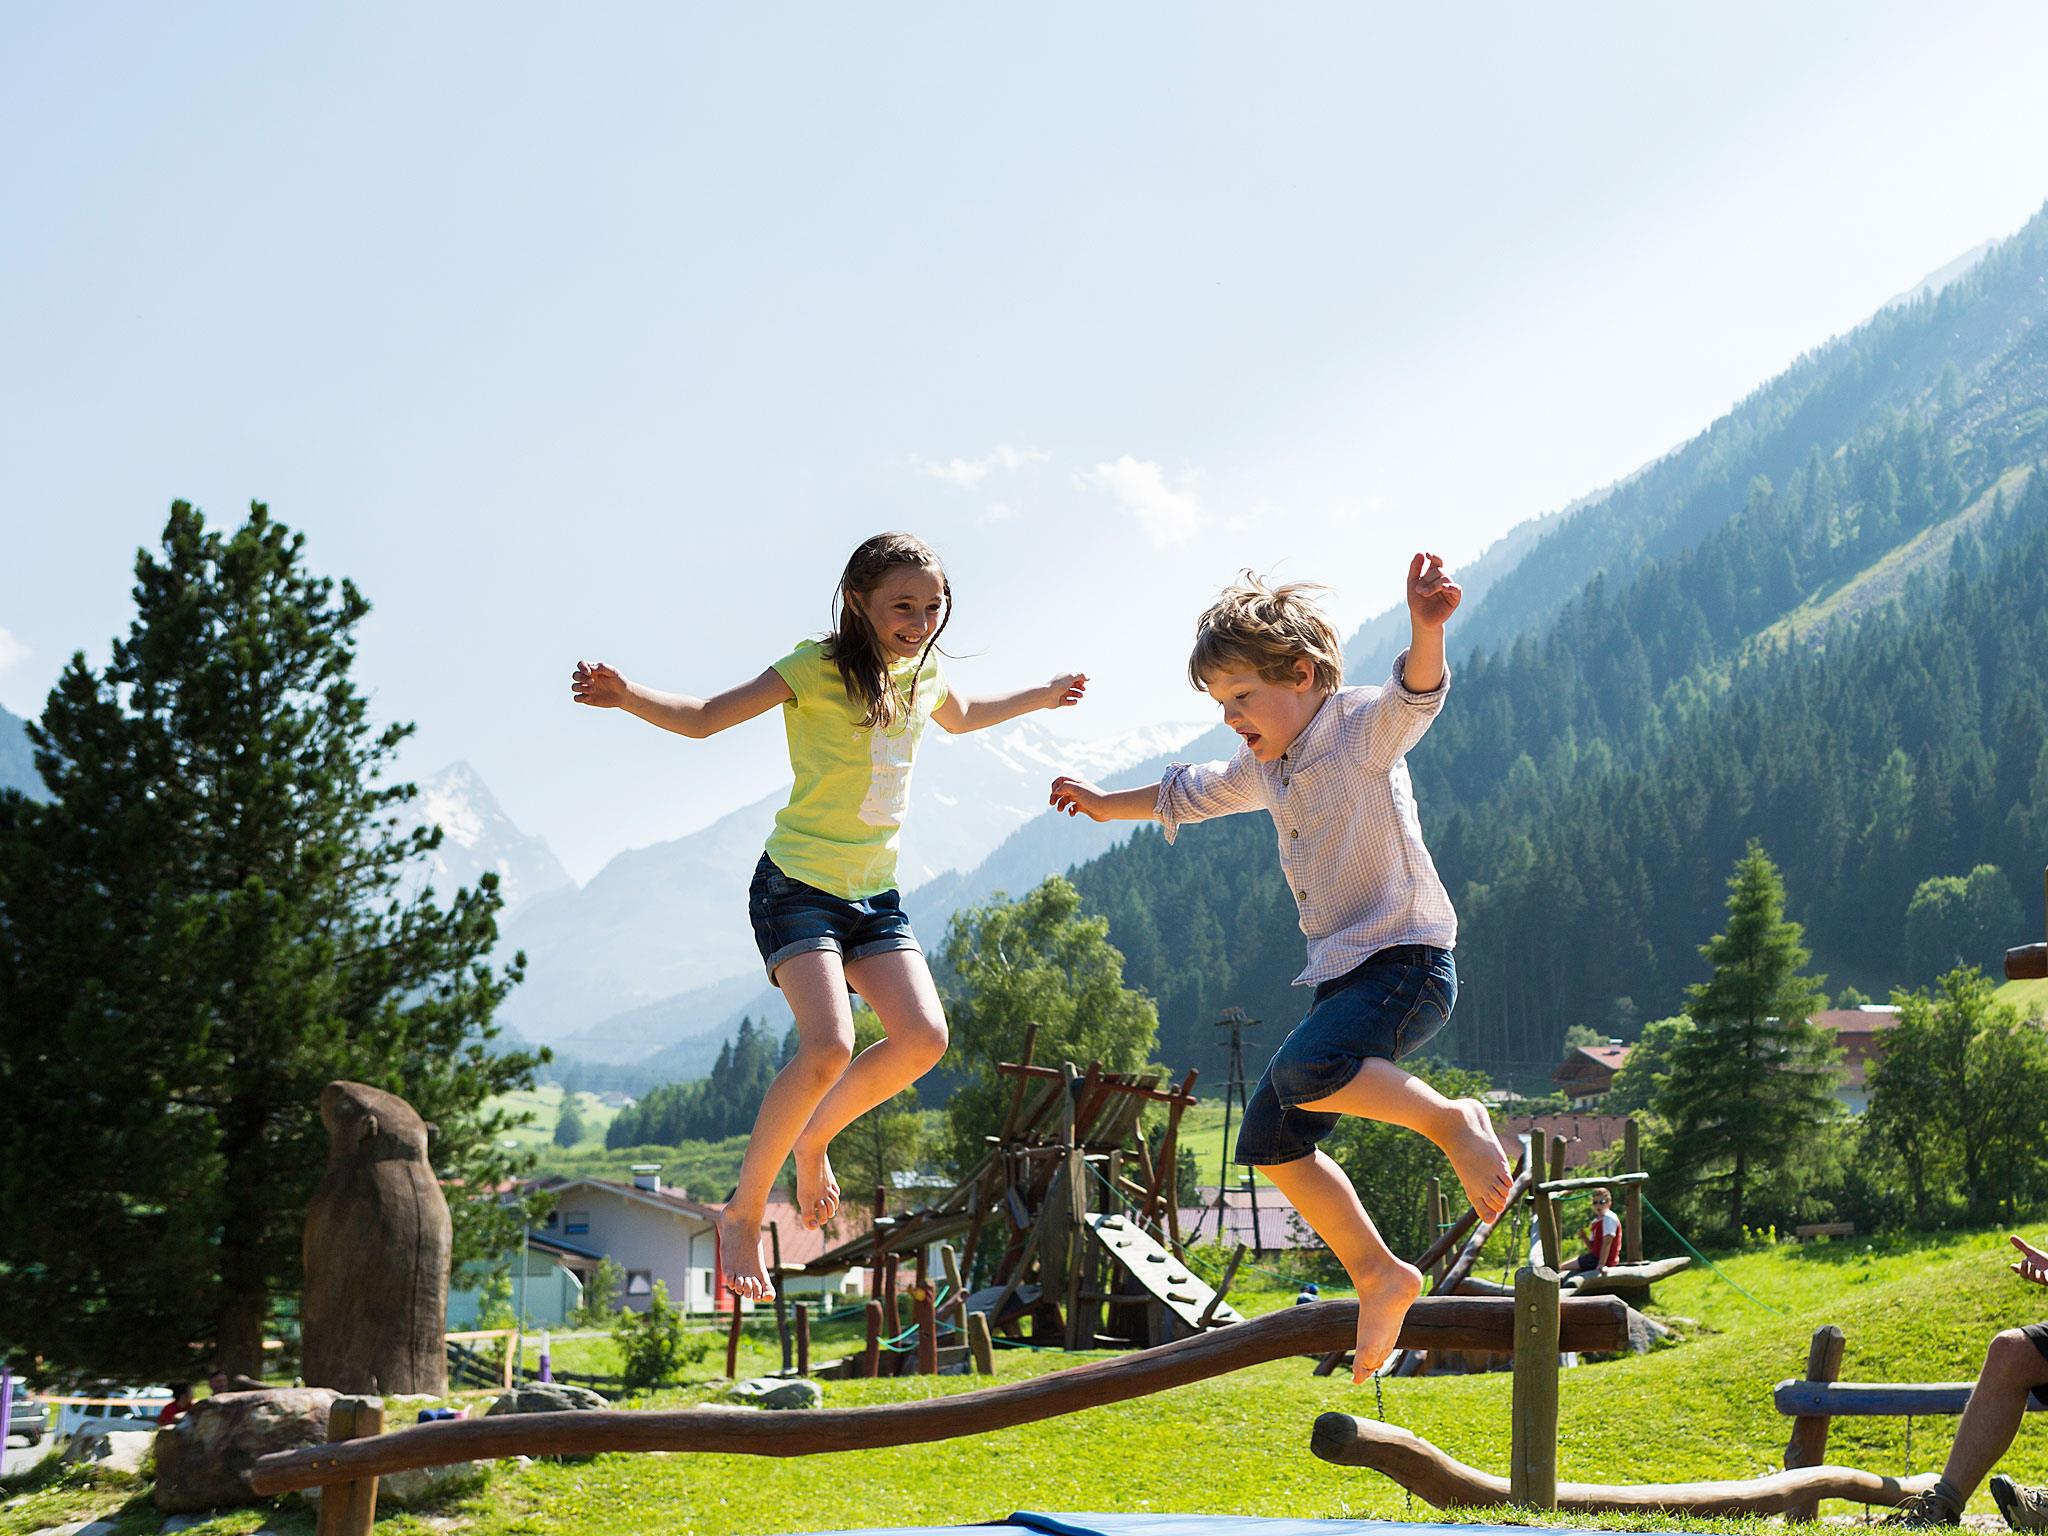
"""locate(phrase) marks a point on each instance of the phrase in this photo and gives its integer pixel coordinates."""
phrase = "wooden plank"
(981, 1344)
(1874, 1399)
(1208, 1316)
(1623, 1279)
(1560, 1186)
(1808, 1446)
(1532, 1448)
(1434, 1322)
(1151, 1095)
(2029, 962)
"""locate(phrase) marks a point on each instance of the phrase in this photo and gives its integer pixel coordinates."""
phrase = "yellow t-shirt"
(842, 825)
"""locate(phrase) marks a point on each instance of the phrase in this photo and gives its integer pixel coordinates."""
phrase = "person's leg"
(1460, 1127)
(898, 986)
(815, 985)
(1386, 1286)
(2012, 1368)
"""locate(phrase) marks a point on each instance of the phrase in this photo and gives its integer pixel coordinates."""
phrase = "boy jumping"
(1329, 764)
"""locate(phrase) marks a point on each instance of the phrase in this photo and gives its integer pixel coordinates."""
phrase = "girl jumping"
(824, 905)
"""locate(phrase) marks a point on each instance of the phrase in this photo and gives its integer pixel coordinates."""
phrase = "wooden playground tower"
(1076, 1220)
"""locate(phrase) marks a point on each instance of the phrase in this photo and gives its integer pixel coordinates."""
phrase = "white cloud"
(968, 473)
(12, 651)
(998, 512)
(1168, 515)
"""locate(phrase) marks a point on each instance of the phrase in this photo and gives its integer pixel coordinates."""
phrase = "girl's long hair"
(855, 648)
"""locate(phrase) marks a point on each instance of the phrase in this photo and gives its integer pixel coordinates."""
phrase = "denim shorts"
(1391, 1005)
(791, 918)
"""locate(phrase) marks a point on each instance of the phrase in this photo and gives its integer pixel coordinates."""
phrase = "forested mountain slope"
(1849, 667)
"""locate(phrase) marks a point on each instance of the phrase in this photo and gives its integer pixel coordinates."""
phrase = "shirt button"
(1301, 895)
(1295, 832)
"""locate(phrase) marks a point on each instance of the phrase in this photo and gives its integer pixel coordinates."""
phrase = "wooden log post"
(1808, 1446)
(803, 1339)
(892, 1315)
(881, 1247)
(1532, 1452)
(349, 1509)
(1433, 1216)
(981, 1345)
(732, 1340)
(781, 1302)
(1631, 1194)
(871, 1354)
(1547, 1226)
(927, 1331)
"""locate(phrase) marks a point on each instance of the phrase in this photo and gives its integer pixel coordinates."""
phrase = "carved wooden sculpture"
(375, 1307)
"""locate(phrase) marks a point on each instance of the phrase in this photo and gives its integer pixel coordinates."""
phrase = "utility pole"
(1235, 1089)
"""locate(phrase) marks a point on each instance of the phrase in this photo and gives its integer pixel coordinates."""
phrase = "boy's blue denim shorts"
(1390, 1005)
(792, 918)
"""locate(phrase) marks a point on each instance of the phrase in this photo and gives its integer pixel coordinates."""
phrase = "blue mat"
(1027, 1523)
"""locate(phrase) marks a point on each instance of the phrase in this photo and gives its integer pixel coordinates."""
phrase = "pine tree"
(1750, 1089)
(569, 1127)
(198, 932)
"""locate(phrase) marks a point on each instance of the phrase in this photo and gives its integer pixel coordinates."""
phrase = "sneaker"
(1928, 1508)
(2024, 1508)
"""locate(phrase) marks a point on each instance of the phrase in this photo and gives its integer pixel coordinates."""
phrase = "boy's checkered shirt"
(1350, 842)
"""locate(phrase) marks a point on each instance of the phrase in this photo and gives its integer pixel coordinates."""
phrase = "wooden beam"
(803, 1339)
(1434, 1322)
(1447, 1483)
(1632, 1196)
(350, 1508)
(1874, 1399)
(1591, 1181)
(1153, 1095)
(981, 1344)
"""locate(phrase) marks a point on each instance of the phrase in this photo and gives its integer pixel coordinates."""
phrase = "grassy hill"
(543, 1106)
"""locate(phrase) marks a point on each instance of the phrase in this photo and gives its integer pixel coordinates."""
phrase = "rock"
(777, 1392)
(419, 1486)
(204, 1462)
(547, 1397)
(1644, 1333)
(111, 1450)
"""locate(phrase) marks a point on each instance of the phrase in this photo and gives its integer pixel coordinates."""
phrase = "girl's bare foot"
(1478, 1161)
(739, 1248)
(1384, 1297)
(817, 1191)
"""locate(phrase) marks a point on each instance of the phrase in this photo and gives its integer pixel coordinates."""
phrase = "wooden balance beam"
(1434, 1322)
(1448, 1483)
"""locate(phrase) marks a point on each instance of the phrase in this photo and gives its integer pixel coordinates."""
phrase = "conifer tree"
(1750, 1089)
(202, 928)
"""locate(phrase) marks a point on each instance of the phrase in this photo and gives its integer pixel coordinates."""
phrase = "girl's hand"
(2032, 1264)
(1077, 797)
(597, 685)
(1432, 595)
(1065, 689)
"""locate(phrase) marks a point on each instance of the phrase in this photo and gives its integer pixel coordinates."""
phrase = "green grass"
(544, 1106)
(1914, 1309)
(2030, 997)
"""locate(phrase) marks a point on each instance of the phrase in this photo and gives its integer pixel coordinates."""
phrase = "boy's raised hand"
(2032, 1263)
(1065, 690)
(1432, 595)
(1077, 797)
(598, 685)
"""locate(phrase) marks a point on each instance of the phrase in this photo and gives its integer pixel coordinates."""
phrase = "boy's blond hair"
(1267, 629)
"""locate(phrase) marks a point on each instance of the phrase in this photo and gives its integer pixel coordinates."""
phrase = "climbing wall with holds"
(1183, 1293)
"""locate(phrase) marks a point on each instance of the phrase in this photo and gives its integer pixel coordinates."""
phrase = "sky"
(608, 332)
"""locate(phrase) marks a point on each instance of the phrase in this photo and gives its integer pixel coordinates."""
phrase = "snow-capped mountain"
(477, 835)
(672, 918)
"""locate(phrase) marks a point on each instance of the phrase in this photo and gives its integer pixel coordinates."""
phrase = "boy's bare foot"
(817, 1191)
(1478, 1161)
(739, 1249)
(1383, 1301)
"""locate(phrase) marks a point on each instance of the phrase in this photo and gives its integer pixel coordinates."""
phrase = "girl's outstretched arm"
(958, 713)
(602, 687)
